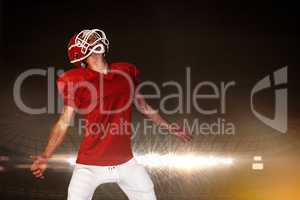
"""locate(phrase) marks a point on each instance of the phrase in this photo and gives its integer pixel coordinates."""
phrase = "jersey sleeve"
(135, 74)
(69, 91)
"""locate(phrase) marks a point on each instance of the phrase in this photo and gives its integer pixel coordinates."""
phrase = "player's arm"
(56, 138)
(154, 115)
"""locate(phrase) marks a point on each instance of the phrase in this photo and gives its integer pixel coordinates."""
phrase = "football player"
(103, 93)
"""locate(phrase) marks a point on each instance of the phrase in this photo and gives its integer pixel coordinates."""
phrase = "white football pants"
(131, 177)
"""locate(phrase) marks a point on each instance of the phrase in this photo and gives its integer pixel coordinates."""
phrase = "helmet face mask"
(83, 44)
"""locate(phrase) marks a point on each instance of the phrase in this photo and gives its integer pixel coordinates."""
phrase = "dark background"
(241, 41)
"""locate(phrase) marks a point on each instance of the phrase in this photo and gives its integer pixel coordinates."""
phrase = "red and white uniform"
(105, 156)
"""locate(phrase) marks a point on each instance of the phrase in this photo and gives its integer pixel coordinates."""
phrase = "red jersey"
(105, 100)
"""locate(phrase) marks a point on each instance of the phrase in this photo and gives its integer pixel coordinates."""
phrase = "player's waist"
(130, 162)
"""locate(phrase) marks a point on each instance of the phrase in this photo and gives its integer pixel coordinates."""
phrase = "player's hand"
(38, 166)
(182, 133)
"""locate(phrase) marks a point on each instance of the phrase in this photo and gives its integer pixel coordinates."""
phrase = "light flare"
(186, 162)
(175, 161)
